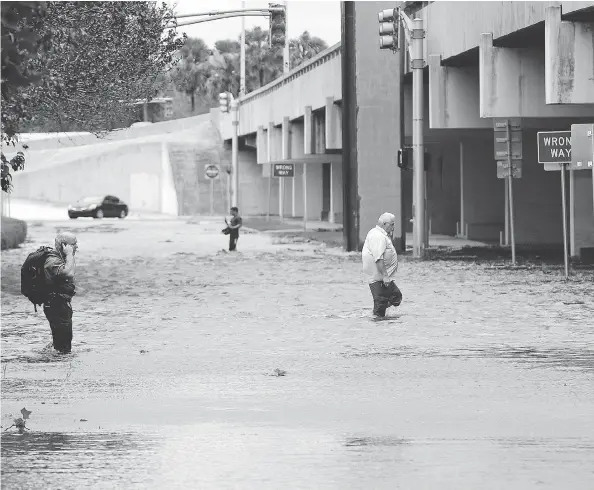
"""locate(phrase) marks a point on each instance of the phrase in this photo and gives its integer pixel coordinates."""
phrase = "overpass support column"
(371, 127)
(512, 84)
(286, 155)
(308, 146)
(569, 60)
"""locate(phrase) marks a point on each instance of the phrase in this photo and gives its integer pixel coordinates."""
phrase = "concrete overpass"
(527, 60)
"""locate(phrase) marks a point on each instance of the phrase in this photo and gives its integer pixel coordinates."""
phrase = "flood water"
(481, 379)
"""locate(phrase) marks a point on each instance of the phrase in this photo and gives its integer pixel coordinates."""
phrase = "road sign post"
(555, 153)
(564, 211)
(508, 155)
(511, 195)
(211, 172)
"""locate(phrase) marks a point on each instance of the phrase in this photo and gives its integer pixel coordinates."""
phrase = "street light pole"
(234, 155)
(286, 60)
(242, 56)
(418, 64)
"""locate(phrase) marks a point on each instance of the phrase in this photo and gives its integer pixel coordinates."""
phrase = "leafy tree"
(304, 48)
(192, 70)
(19, 42)
(93, 60)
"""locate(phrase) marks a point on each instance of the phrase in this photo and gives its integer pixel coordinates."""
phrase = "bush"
(14, 232)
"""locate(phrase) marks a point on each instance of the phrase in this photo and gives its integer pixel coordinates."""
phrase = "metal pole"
(506, 243)
(293, 200)
(242, 56)
(564, 211)
(401, 71)
(234, 159)
(211, 197)
(462, 189)
(281, 197)
(269, 189)
(286, 59)
(305, 196)
(572, 213)
(418, 149)
(511, 194)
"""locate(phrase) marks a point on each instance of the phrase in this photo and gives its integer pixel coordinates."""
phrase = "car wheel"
(99, 214)
(72, 217)
(123, 214)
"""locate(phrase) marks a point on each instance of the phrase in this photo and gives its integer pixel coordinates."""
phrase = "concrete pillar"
(308, 147)
(569, 60)
(454, 96)
(286, 155)
(333, 126)
(274, 154)
(512, 83)
(373, 100)
(261, 145)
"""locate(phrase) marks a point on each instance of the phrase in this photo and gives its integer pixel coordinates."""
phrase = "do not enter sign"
(211, 171)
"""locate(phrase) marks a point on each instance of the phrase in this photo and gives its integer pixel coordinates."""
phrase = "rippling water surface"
(482, 379)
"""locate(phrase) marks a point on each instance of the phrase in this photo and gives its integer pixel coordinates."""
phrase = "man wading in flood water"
(233, 227)
(380, 263)
(59, 275)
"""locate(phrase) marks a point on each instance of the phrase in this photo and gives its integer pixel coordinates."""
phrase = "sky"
(320, 18)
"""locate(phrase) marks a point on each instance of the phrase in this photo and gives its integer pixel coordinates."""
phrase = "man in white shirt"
(380, 263)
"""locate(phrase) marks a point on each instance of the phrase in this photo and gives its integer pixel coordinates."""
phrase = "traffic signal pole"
(234, 155)
(419, 203)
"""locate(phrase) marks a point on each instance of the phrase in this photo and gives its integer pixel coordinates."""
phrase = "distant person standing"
(234, 226)
(380, 263)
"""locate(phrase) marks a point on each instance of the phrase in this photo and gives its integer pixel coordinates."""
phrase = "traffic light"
(405, 158)
(277, 26)
(225, 101)
(388, 29)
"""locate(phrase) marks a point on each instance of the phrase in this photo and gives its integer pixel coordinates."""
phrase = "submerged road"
(482, 379)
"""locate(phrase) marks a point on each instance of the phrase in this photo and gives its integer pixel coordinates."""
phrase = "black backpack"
(33, 284)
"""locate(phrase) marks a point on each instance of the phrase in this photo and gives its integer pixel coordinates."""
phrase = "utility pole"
(286, 56)
(242, 90)
(234, 154)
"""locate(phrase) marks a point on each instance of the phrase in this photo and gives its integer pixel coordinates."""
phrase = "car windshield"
(90, 200)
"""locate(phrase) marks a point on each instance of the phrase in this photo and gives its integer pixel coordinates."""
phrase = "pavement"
(197, 368)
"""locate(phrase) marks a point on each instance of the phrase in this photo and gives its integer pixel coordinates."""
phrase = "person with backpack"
(47, 278)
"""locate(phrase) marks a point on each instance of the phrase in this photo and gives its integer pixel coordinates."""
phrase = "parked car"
(98, 207)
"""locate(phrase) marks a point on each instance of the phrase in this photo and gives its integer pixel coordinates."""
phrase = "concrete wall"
(377, 122)
(127, 175)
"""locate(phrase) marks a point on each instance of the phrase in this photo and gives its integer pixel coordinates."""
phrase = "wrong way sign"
(554, 147)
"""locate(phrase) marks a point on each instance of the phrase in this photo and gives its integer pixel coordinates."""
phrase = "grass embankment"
(14, 232)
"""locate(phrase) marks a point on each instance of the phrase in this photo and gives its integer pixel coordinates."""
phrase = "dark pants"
(384, 297)
(233, 237)
(59, 314)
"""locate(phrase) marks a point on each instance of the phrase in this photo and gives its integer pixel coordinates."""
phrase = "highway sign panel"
(211, 171)
(582, 147)
(503, 169)
(284, 170)
(554, 146)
